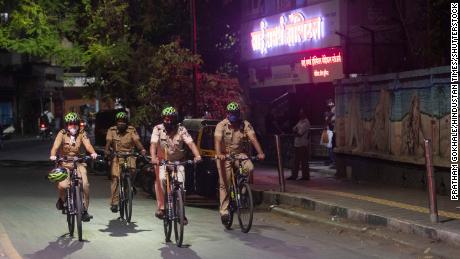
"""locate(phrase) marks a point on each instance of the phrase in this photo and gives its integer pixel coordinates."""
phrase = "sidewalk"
(400, 209)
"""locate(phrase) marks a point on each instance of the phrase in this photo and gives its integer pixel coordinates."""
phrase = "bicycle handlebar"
(72, 158)
(176, 163)
(235, 158)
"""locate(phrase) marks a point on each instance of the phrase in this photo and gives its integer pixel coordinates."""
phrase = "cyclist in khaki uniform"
(234, 134)
(121, 138)
(170, 136)
(68, 143)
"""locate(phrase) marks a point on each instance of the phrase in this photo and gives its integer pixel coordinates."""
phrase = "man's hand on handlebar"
(261, 156)
(197, 159)
(53, 158)
(155, 161)
(221, 157)
(94, 155)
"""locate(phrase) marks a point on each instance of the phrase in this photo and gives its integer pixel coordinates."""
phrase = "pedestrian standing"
(330, 126)
(301, 148)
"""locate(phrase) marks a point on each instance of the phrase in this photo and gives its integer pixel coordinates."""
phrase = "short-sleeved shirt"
(235, 140)
(302, 129)
(69, 145)
(173, 145)
(122, 142)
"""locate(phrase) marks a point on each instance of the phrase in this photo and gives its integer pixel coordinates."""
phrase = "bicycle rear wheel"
(167, 223)
(178, 204)
(128, 190)
(245, 207)
(79, 210)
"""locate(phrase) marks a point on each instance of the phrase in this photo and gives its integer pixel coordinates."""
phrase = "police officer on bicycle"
(171, 136)
(231, 138)
(68, 141)
(121, 138)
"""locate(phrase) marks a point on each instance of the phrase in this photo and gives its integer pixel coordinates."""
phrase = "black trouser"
(301, 160)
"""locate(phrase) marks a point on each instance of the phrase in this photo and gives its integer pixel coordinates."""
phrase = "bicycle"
(125, 186)
(74, 196)
(174, 202)
(240, 196)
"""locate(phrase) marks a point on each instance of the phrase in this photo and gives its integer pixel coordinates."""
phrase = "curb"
(270, 197)
(306, 217)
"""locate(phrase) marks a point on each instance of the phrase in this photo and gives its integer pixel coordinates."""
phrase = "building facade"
(293, 50)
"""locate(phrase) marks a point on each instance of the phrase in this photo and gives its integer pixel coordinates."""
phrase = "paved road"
(30, 223)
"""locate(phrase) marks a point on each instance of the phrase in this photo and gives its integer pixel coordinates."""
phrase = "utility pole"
(194, 49)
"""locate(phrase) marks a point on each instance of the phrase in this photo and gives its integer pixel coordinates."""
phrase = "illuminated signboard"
(324, 65)
(319, 66)
(308, 28)
(292, 30)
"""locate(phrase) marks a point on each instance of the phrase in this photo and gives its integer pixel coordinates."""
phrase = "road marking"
(392, 203)
(7, 245)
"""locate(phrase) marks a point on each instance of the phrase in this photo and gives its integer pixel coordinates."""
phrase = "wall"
(388, 116)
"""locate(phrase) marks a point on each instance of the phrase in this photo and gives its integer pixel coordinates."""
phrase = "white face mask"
(72, 131)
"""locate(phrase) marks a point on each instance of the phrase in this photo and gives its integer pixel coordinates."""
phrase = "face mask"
(72, 130)
(122, 127)
(233, 118)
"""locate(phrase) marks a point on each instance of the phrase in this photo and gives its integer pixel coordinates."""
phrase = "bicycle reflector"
(57, 175)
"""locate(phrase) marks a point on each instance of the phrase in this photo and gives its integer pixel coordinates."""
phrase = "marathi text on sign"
(292, 30)
(323, 60)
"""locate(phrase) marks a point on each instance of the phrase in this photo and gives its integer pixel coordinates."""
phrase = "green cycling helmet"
(71, 117)
(121, 116)
(233, 106)
(57, 175)
(169, 111)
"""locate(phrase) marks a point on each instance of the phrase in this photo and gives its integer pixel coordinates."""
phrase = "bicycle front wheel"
(178, 204)
(70, 216)
(128, 191)
(231, 208)
(167, 223)
(79, 210)
(245, 207)
(121, 198)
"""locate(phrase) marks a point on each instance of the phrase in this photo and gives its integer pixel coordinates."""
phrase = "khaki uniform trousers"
(116, 171)
(225, 180)
(81, 171)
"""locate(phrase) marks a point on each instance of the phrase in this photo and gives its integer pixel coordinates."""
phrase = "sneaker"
(114, 208)
(292, 178)
(86, 217)
(185, 221)
(160, 214)
(225, 218)
(59, 204)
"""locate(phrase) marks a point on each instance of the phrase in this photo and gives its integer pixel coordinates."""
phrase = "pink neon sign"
(323, 60)
(292, 30)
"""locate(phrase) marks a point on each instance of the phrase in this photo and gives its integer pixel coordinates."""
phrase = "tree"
(169, 81)
(37, 28)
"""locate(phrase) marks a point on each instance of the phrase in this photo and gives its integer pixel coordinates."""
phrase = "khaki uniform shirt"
(122, 142)
(174, 146)
(235, 141)
(68, 145)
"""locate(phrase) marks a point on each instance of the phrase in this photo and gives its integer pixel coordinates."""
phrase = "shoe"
(185, 221)
(59, 204)
(114, 208)
(160, 214)
(304, 178)
(86, 217)
(225, 218)
(134, 190)
(291, 178)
